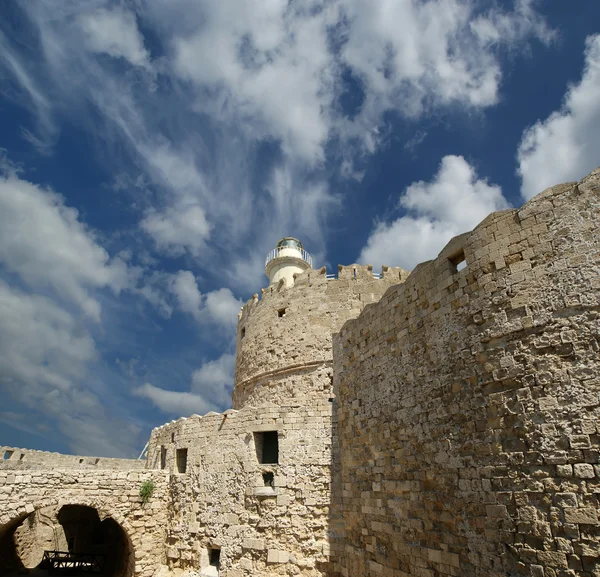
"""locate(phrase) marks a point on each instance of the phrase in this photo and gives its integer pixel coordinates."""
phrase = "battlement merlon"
(316, 278)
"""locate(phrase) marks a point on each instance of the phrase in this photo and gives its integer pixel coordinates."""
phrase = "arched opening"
(75, 531)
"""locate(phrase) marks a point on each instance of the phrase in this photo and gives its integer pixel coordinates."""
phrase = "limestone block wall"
(266, 519)
(114, 494)
(468, 404)
(284, 339)
(15, 458)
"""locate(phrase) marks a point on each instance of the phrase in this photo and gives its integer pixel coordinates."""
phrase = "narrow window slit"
(215, 557)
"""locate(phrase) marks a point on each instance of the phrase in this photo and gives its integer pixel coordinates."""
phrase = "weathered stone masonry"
(450, 428)
(468, 404)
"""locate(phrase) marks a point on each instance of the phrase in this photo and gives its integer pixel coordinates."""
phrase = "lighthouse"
(287, 259)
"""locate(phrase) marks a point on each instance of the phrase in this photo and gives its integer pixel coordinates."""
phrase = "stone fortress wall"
(448, 429)
(284, 339)
(468, 404)
(30, 498)
(15, 458)
(264, 517)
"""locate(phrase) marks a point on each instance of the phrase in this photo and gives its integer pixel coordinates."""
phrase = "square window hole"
(281, 313)
(181, 460)
(8, 455)
(458, 261)
(267, 447)
(269, 479)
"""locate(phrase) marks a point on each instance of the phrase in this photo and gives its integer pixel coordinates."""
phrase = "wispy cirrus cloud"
(223, 123)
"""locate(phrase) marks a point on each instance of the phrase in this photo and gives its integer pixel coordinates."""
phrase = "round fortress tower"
(284, 338)
(287, 259)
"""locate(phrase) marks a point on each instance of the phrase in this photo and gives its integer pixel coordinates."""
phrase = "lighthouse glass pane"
(289, 242)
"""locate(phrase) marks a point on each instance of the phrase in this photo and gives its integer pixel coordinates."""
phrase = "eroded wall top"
(469, 403)
(15, 458)
(284, 338)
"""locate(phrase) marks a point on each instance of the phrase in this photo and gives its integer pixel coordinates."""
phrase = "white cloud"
(453, 203)
(45, 243)
(210, 390)
(235, 74)
(564, 147)
(214, 379)
(40, 342)
(35, 98)
(178, 228)
(178, 403)
(45, 356)
(114, 32)
(219, 306)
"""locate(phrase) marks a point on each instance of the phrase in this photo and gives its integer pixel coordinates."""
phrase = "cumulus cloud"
(564, 147)
(45, 243)
(178, 403)
(454, 202)
(276, 75)
(214, 379)
(178, 228)
(210, 390)
(114, 32)
(218, 306)
(45, 356)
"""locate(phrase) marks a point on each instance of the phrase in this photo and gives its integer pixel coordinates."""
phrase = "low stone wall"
(469, 402)
(113, 494)
(19, 459)
(265, 518)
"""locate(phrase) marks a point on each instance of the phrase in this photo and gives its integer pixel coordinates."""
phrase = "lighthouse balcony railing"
(275, 253)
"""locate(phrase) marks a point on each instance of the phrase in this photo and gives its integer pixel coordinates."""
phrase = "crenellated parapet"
(284, 337)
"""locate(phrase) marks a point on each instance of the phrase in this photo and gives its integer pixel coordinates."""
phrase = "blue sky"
(153, 152)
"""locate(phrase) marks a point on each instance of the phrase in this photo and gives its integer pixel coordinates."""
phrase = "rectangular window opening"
(163, 457)
(172, 437)
(215, 557)
(281, 313)
(458, 261)
(181, 460)
(269, 479)
(267, 447)
(243, 333)
(8, 455)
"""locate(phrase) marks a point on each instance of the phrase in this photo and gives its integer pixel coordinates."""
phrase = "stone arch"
(10, 563)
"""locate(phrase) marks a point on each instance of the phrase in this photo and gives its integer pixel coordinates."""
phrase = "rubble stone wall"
(223, 501)
(15, 458)
(284, 339)
(113, 494)
(468, 404)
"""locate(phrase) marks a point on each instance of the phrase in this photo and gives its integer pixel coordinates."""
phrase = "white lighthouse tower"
(286, 259)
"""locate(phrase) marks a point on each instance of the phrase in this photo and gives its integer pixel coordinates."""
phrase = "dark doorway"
(77, 530)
